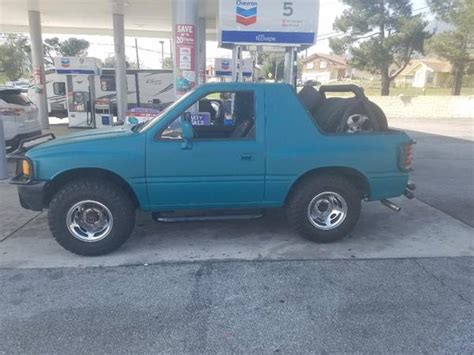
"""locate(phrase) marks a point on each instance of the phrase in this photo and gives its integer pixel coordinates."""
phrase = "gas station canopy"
(143, 18)
(189, 22)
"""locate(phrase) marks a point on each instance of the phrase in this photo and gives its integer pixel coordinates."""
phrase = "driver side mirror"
(187, 131)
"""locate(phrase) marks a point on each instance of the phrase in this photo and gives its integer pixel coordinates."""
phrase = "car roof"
(10, 88)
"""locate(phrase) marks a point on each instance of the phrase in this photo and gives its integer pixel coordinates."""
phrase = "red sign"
(185, 58)
(38, 83)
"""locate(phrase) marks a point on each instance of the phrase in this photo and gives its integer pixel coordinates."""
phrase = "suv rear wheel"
(324, 209)
(91, 216)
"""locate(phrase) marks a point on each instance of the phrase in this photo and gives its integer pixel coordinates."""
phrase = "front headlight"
(24, 170)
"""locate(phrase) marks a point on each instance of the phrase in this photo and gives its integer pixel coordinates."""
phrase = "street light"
(162, 53)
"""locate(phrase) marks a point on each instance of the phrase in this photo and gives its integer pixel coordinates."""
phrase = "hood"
(85, 136)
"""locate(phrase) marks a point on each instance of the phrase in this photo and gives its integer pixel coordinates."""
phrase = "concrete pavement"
(418, 231)
(335, 306)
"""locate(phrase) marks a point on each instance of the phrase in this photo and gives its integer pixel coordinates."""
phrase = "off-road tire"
(301, 197)
(109, 194)
(380, 116)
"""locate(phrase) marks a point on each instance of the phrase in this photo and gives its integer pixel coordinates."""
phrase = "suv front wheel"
(324, 209)
(91, 217)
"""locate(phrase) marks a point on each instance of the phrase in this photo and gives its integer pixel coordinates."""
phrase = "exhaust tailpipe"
(393, 206)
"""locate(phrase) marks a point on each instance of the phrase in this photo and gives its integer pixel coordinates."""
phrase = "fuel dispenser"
(103, 113)
(80, 75)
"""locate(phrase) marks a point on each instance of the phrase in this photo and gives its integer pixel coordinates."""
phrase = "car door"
(220, 170)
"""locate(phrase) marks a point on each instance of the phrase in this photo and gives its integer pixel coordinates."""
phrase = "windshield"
(143, 126)
(15, 97)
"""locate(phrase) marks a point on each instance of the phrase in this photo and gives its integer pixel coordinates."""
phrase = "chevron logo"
(246, 12)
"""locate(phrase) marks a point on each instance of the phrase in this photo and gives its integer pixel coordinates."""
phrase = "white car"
(19, 116)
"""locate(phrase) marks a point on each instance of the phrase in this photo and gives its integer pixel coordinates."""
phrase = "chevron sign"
(246, 12)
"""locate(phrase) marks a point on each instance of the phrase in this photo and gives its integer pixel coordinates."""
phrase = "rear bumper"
(387, 186)
(32, 195)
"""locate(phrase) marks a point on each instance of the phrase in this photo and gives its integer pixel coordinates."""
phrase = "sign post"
(185, 27)
(185, 58)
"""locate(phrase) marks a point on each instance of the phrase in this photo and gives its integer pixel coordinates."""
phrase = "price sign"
(269, 22)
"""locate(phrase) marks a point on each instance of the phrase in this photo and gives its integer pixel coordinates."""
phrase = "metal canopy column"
(236, 67)
(289, 74)
(201, 48)
(120, 66)
(34, 20)
(185, 26)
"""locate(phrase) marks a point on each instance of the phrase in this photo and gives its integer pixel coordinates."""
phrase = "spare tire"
(310, 98)
(356, 119)
(331, 112)
(380, 116)
(349, 115)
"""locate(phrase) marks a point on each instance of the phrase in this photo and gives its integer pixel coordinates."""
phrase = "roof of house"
(338, 60)
(437, 65)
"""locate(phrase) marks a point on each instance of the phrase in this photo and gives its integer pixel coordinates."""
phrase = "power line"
(335, 34)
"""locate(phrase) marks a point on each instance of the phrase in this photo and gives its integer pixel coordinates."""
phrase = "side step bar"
(169, 218)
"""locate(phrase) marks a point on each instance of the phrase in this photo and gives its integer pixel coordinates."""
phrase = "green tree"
(272, 64)
(167, 63)
(50, 49)
(71, 47)
(15, 56)
(457, 44)
(381, 36)
(109, 62)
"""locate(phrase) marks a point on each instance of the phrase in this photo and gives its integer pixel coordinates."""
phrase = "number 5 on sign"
(288, 8)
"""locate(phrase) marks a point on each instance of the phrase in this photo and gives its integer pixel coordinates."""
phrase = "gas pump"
(103, 113)
(80, 89)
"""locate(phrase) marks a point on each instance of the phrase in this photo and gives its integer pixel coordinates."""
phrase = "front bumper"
(32, 195)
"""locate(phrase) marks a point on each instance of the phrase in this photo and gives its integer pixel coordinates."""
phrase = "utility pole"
(136, 52)
(162, 53)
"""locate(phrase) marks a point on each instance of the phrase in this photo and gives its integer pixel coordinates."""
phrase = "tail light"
(7, 111)
(406, 157)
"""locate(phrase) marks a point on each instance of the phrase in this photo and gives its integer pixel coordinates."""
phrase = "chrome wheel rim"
(89, 221)
(327, 210)
(355, 123)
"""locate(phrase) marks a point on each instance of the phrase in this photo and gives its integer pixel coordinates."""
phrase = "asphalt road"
(444, 164)
(369, 306)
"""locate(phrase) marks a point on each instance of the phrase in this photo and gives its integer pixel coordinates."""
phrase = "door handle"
(246, 156)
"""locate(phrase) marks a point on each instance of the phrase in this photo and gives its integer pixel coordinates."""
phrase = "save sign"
(185, 59)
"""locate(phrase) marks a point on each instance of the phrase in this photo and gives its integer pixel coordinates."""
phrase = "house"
(425, 73)
(324, 68)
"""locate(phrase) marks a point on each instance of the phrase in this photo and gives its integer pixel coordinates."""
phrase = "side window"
(173, 131)
(220, 115)
(59, 88)
(107, 83)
